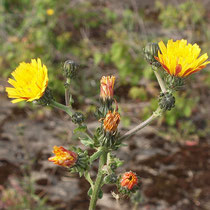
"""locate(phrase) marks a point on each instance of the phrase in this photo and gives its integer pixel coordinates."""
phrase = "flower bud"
(150, 51)
(82, 161)
(111, 121)
(78, 118)
(129, 180)
(107, 87)
(70, 69)
(166, 101)
(63, 157)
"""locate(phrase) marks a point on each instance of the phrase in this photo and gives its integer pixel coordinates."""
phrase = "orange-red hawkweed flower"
(107, 87)
(129, 180)
(111, 121)
(181, 59)
(63, 157)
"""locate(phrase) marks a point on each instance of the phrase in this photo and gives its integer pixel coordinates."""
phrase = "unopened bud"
(78, 118)
(150, 51)
(70, 69)
(166, 101)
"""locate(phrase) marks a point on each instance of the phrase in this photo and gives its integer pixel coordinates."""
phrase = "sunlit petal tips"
(107, 87)
(63, 157)
(29, 83)
(181, 59)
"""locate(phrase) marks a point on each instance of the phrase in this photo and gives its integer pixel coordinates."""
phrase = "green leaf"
(81, 128)
(88, 142)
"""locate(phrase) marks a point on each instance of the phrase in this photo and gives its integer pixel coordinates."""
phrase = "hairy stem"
(155, 114)
(98, 182)
(62, 107)
(96, 155)
(88, 178)
(89, 133)
(67, 91)
(160, 81)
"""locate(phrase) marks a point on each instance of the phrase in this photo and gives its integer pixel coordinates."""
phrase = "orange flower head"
(111, 121)
(63, 157)
(181, 59)
(107, 87)
(129, 180)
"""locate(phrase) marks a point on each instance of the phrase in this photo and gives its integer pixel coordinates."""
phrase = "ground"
(173, 175)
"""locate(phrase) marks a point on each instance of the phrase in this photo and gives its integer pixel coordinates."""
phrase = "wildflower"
(50, 12)
(129, 180)
(29, 83)
(181, 59)
(107, 87)
(63, 157)
(111, 121)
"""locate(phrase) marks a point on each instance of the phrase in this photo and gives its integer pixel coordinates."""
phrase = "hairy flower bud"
(78, 118)
(107, 87)
(150, 51)
(129, 180)
(111, 121)
(63, 157)
(70, 68)
(166, 101)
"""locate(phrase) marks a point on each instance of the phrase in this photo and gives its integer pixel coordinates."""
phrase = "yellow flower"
(29, 83)
(50, 12)
(111, 121)
(129, 180)
(107, 87)
(181, 59)
(63, 157)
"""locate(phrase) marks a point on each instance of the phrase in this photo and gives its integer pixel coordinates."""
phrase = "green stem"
(96, 155)
(67, 91)
(160, 81)
(88, 178)
(155, 114)
(98, 182)
(62, 107)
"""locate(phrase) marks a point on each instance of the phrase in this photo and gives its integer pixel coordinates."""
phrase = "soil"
(173, 175)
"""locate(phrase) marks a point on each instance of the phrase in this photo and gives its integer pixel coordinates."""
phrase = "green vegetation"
(104, 40)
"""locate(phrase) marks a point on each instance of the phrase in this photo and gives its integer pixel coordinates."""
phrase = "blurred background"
(171, 156)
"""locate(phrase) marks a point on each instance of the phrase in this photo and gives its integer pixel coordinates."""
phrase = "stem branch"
(62, 107)
(88, 178)
(155, 114)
